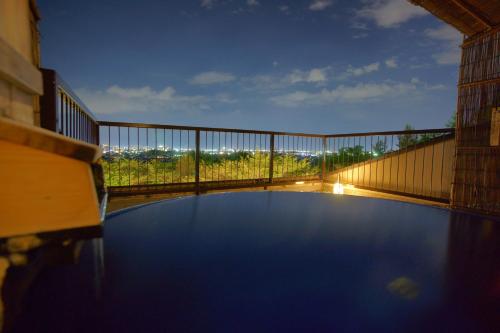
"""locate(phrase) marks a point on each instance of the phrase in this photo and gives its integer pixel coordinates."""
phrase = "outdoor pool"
(276, 262)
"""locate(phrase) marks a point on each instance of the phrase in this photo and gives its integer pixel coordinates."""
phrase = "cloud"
(360, 35)
(315, 75)
(116, 99)
(450, 39)
(225, 98)
(449, 57)
(362, 92)
(252, 3)
(144, 92)
(212, 77)
(208, 4)
(446, 33)
(265, 83)
(359, 26)
(318, 5)
(390, 13)
(391, 63)
(358, 71)
(284, 9)
(426, 86)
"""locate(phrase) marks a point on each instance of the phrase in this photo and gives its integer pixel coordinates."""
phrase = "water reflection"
(473, 268)
(404, 287)
(24, 258)
(98, 255)
(284, 262)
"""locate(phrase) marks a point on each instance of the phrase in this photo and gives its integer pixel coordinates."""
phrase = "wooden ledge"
(16, 69)
(42, 139)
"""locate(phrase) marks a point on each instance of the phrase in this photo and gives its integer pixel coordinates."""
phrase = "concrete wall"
(424, 171)
(20, 79)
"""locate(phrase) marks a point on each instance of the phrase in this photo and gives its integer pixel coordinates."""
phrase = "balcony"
(149, 159)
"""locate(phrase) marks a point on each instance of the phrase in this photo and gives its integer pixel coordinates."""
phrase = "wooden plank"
(17, 70)
(474, 13)
(42, 139)
(41, 191)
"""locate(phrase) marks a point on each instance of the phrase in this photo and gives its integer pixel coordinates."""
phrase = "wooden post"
(48, 101)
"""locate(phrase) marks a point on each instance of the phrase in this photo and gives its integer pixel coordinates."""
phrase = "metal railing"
(147, 158)
(151, 158)
(63, 112)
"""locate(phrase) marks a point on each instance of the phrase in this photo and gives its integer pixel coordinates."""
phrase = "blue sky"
(320, 66)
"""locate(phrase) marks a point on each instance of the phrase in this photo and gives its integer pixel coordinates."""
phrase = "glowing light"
(404, 287)
(338, 188)
(299, 183)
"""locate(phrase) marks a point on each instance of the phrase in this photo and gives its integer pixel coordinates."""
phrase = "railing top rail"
(62, 85)
(216, 129)
(423, 131)
(208, 129)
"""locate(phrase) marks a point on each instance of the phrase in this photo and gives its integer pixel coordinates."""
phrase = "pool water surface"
(276, 262)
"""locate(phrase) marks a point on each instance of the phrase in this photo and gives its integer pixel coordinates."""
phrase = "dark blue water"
(276, 262)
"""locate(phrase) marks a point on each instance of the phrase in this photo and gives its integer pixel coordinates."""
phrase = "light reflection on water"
(277, 262)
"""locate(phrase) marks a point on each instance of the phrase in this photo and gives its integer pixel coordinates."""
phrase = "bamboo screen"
(476, 183)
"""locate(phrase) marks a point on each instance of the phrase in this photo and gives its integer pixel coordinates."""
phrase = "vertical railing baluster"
(432, 171)
(197, 162)
(390, 162)
(60, 123)
(128, 154)
(156, 156)
(323, 163)
(164, 158)
(137, 155)
(218, 159)
(109, 155)
(188, 146)
(172, 158)
(119, 157)
(147, 155)
(271, 158)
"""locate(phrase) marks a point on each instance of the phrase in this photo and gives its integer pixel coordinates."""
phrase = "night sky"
(316, 66)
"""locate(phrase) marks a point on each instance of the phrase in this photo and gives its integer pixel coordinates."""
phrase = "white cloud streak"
(361, 92)
(315, 75)
(390, 13)
(359, 71)
(450, 40)
(207, 78)
(208, 4)
(318, 5)
(391, 63)
(284, 9)
(116, 100)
